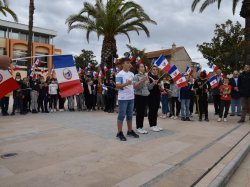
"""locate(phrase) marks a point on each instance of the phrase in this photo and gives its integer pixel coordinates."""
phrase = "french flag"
(111, 71)
(174, 73)
(198, 69)
(213, 82)
(131, 57)
(189, 71)
(100, 74)
(37, 62)
(68, 79)
(213, 67)
(163, 64)
(105, 68)
(7, 83)
(94, 74)
(181, 82)
(146, 68)
(115, 60)
(138, 60)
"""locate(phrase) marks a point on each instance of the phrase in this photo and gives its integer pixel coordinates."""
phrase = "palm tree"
(109, 20)
(4, 9)
(245, 13)
(30, 34)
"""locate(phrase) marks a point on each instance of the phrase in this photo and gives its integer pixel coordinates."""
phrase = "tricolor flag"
(94, 74)
(7, 83)
(138, 60)
(115, 60)
(131, 57)
(37, 62)
(100, 74)
(198, 69)
(111, 71)
(214, 67)
(105, 68)
(32, 71)
(213, 82)
(163, 64)
(189, 71)
(68, 79)
(181, 82)
(174, 73)
(146, 68)
(153, 61)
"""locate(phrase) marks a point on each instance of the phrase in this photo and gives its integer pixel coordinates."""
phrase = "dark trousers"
(43, 103)
(153, 106)
(216, 99)
(5, 105)
(53, 101)
(245, 102)
(175, 106)
(224, 105)
(203, 106)
(141, 103)
(18, 104)
(89, 99)
(110, 103)
(61, 102)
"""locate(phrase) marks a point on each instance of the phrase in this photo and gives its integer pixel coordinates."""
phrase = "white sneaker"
(219, 120)
(61, 110)
(155, 129)
(144, 131)
(160, 129)
(175, 117)
(225, 119)
(54, 110)
(51, 110)
(163, 116)
(139, 130)
(172, 117)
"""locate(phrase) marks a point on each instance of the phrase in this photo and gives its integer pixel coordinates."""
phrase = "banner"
(7, 83)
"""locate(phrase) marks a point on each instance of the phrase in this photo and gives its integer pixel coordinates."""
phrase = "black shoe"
(13, 113)
(121, 136)
(46, 111)
(132, 134)
(238, 114)
(216, 113)
(232, 115)
(241, 121)
(207, 119)
(188, 119)
(200, 119)
(183, 119)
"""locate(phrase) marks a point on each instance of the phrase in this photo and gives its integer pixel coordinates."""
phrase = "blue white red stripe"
(7, 83)
(174, 73)
(213, 82)
(163, 64)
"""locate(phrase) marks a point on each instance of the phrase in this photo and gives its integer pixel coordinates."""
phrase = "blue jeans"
(185, 103)
(164, 103)
(236, 103)
(125, 109)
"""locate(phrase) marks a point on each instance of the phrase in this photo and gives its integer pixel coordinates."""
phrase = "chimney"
(173, 46)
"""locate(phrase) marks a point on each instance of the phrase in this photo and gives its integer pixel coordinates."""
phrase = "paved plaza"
(80, 149)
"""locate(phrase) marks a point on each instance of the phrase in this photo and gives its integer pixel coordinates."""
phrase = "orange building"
(14, 43)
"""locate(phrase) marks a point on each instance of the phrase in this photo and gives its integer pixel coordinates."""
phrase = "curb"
(223, 177)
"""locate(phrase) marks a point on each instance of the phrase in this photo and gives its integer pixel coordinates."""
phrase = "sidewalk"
(80, 149)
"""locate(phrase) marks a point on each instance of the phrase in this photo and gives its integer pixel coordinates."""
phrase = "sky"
(176, 23)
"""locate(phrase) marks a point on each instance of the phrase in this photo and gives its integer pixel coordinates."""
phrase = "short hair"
(124, 59)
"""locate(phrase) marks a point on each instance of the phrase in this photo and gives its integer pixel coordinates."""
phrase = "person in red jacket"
(225, 96)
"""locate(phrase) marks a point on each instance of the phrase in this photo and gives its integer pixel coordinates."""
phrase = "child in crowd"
(225, 96)
(53, 89)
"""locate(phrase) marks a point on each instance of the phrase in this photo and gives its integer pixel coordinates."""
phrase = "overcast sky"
(175, 23)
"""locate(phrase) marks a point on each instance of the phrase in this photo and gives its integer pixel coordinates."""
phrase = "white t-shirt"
(53, 89)
(127, 92)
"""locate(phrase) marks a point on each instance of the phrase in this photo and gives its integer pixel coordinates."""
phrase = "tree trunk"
(245, 13)
(30, 35)
(108, 50)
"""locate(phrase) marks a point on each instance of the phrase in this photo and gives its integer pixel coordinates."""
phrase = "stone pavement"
(80, 149)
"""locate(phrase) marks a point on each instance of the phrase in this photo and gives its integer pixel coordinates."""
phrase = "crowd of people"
(139, 93)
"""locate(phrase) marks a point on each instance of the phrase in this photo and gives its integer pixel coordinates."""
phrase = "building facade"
(14, 43)
(176, 56)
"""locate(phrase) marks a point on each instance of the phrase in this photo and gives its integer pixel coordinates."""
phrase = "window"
(2, 51)
(36, 38)
(14, 35)
(2, 33)
(19, 54)
(23, 36)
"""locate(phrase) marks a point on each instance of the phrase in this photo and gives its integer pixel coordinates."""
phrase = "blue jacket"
(185, 92)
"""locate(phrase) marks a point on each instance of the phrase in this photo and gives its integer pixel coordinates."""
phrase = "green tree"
(226, 49)
(84, 58)
(4, 9)
(245, 13)
(109, 20)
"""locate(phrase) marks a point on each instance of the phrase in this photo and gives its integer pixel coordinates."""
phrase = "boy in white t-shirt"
(125, 99)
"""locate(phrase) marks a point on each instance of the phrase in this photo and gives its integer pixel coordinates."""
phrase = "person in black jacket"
(235, 94)
(34, 85)
(154, 99)
(244, 88)
(216, 92)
